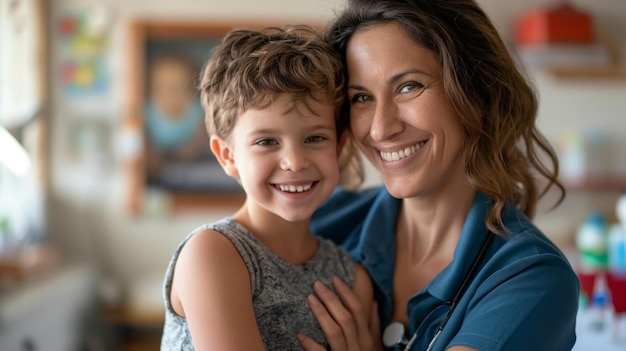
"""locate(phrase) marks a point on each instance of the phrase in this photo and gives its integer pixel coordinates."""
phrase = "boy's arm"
(211, 289)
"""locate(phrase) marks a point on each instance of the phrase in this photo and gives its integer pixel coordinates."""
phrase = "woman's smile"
(391, 156)
(400, 113)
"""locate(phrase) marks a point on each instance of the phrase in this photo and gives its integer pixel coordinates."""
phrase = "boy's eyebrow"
(271, 131)
(323, 126)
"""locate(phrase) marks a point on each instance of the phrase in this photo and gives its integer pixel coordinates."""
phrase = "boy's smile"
(285, 157)
(295, 188)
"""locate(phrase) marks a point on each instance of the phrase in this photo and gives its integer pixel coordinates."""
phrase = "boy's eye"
(266, 142)
(315, 139)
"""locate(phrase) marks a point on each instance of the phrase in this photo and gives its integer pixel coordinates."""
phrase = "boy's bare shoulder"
(208, 246)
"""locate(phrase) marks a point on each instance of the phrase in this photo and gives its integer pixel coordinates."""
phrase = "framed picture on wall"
(164, 110)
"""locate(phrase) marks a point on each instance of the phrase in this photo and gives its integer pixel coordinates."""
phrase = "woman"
(437, 104)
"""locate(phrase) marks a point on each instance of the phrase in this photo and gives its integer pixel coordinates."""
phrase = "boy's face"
(285, 157)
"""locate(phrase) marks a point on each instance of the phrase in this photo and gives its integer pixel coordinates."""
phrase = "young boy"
(271, 100)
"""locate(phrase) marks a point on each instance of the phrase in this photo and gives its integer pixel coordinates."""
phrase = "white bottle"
(591, 242)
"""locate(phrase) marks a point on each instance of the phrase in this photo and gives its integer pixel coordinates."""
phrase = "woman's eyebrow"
(394, 79)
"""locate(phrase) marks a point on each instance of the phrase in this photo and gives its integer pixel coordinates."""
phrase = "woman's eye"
(411, 87)
(359, 98)
(266, 142)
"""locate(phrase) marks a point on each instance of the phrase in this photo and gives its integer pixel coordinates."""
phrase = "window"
(21, 66)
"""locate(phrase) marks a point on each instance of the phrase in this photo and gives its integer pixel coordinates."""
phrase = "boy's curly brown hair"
(250, 69)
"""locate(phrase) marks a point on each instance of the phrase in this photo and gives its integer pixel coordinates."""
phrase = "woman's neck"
(430, 225)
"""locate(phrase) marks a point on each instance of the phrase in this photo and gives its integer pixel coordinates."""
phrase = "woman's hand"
(347, 324)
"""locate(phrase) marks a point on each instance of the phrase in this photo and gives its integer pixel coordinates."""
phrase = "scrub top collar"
(376, 248)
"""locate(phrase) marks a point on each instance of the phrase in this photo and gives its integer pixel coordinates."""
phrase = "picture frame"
(189, 185)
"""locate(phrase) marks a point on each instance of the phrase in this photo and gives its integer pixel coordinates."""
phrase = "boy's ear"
(224, 155)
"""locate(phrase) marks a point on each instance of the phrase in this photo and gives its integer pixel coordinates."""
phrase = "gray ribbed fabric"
(279, 289)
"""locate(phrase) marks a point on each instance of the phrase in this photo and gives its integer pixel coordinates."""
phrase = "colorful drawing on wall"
(84, 71)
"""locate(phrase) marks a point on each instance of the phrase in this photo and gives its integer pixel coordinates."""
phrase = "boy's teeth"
(397, 155)
(295, 188)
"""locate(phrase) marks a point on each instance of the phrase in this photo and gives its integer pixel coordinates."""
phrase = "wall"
(85, 209)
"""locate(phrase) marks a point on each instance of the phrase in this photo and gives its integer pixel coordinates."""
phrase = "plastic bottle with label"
(617, 249)
(599, 311)
(592, 243)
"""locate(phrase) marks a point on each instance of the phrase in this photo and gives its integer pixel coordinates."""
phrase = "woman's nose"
(294, 159)
(385, 121)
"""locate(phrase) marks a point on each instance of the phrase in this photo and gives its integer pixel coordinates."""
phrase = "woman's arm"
(211, 289)
(349, 319)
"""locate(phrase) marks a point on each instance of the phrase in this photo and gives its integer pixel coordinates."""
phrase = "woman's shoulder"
(354, 199)
(522, 234)
(526, 250)
(345, 211)
(530, 282)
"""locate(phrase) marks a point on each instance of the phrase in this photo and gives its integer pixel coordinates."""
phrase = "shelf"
(600, 60)
(617, 73)
(613, 182)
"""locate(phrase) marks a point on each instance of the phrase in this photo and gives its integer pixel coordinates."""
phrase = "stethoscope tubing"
(455, 299)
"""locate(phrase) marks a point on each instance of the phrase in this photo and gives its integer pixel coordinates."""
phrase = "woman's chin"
(399, 188)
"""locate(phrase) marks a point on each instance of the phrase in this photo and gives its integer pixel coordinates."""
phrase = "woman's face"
(399, 112)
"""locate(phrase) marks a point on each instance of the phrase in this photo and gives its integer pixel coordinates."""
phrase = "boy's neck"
(291, 241)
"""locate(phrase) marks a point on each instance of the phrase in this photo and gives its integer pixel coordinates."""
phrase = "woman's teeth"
(295, 188)
(397, 155)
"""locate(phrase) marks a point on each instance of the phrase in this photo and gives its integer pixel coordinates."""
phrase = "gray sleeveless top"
(279, 289)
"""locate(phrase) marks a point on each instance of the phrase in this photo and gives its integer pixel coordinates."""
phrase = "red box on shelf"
(562, 24)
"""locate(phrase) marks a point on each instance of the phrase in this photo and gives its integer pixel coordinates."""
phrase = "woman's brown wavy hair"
(505, 154)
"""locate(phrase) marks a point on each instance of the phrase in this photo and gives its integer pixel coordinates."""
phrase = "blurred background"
(104, 165)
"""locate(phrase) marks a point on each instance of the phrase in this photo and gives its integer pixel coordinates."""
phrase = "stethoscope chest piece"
(393, 335)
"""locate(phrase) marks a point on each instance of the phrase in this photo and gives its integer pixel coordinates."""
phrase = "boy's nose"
(294, 160)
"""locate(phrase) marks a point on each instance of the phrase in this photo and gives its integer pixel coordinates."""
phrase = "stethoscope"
(393, 335)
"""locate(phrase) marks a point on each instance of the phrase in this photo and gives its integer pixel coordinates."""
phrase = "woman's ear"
(224, 154)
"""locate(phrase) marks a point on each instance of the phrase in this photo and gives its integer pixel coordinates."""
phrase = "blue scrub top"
(524, 295)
